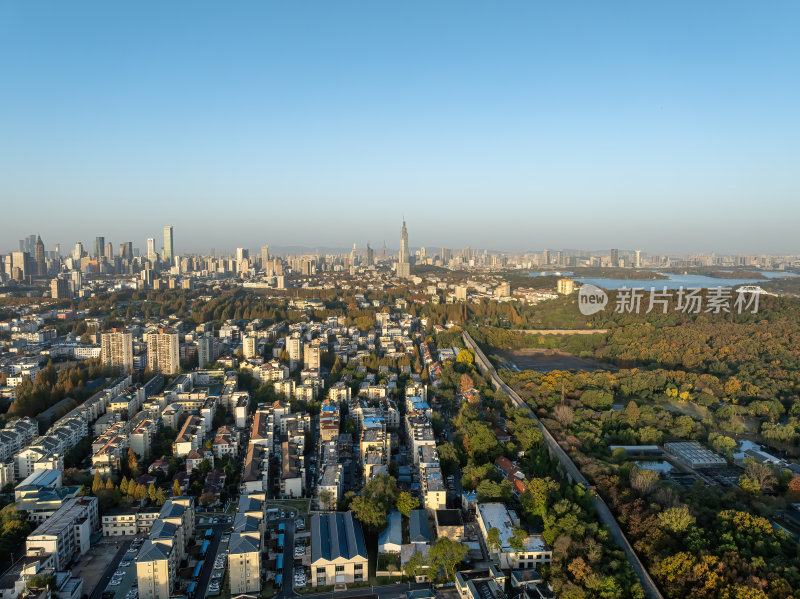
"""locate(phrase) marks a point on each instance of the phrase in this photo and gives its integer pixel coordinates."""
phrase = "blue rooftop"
(393, 533)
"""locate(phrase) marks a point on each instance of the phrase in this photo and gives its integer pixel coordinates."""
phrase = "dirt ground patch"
(545, 360)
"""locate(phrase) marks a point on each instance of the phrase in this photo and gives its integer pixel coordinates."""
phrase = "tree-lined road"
(571, 470)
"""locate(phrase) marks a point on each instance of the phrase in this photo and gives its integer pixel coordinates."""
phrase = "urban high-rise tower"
(403, 264)
(168, 255)
(41, 265)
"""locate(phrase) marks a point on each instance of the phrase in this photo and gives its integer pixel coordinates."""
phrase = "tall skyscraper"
(370, 255)
(403, 264)
(99, 247)
(41, 266)
(264, 256)
(614, 257)
(126, 250)
(116, 349)
(151, 249)
(637, 260)
(162, 351)
(19, 265)
(77, 252)
(168, 244)
(242, 259)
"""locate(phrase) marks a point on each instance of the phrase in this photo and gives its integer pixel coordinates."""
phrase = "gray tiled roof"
(243, 544)
(418, 529)
(336, 535)
(152, 551)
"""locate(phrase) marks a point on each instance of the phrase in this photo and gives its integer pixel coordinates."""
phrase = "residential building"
(128, 521)
(163, 353)
(244, 563)
(536, 551)
(67, 533)
(190, 437)
(116, 349)
(250, 346)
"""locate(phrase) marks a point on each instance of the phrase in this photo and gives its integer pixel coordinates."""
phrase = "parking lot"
(300, 550)
(97, 566)
(212, 574)
(123, 583)
(218, 569)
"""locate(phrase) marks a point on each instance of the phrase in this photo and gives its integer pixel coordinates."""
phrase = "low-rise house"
(390, 539)
(190, 437)
(419, 531)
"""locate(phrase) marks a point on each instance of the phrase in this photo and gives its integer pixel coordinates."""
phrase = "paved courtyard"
(94, 563)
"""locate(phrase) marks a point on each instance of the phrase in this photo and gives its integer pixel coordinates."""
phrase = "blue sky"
(670, 127)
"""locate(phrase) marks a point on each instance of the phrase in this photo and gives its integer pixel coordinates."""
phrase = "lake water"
(676, 281)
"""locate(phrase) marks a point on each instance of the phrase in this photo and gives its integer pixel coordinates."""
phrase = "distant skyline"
(671, 128)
